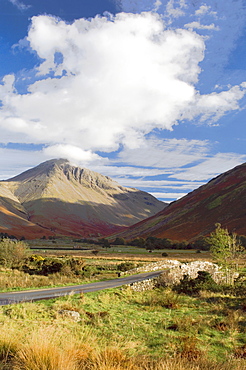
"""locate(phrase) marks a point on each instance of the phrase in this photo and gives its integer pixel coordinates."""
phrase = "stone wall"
(141, 286)
(174, 272)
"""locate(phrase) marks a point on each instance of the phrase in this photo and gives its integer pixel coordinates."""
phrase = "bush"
(125, 266)
(189, 286)
(12, 252)
(46, 266)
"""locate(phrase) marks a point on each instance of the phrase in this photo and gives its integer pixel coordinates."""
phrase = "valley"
(76, 227)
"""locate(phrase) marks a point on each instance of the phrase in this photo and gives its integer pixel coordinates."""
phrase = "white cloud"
(205, 10)
(212, 107)
(175, 8)
(118, 79)
(160, 184)
(122, 173)
(123, 78)
(199, 26)
(72, 153)
(168, 195)
(19, 4)
(13, 161)
(166, 153)
(157, 5)
(211, 167)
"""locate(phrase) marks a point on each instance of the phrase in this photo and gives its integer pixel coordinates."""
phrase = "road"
(39, 294)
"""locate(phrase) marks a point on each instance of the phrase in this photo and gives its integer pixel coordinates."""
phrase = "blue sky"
(150, 93)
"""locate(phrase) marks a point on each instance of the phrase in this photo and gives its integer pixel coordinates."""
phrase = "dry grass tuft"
(9, 342)
(111, 358)
(42, 351)
(189, 349)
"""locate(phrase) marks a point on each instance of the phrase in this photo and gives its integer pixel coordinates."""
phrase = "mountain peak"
(42, 169)
(60, 198)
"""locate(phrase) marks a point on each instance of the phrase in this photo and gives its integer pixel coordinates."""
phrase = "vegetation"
(226, 249)
(202, 282)
(194, 325)
(123, 330)
(12, 252)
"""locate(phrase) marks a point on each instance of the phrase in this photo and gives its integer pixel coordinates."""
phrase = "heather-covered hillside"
(222, 200)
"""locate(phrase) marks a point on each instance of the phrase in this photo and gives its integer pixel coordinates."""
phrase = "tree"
(12, 252)
(119, 241)
(227, 250)
(138, 242)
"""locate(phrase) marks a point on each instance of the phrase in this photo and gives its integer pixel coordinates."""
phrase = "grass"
(115, 252)
(122, 329)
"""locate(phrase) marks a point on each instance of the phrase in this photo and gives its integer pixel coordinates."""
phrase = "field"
(120, 329)
(85, 250)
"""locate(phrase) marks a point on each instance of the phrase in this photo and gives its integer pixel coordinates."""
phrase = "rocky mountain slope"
(222, 200)
(57, 198)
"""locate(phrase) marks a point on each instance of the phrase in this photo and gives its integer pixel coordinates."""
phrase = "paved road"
(35, 295)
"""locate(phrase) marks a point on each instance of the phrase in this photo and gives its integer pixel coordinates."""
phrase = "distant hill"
(57, 198)
(222, 200)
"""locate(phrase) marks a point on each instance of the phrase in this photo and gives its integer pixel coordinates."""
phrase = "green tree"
(226, 249)
(138, 242)
(119, 241)
(12, 252)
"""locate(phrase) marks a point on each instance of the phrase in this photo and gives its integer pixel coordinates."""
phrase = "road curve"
(39, 294)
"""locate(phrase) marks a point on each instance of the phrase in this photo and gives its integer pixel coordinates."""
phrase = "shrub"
(46, 266)
(125, 266)
(189, 286)
(12, 252)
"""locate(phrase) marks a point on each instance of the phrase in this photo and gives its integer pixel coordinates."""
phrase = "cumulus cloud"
(205, 10)
(212, 107)
(175, 9)
(72, 153)
(109, 81)
(120, 79)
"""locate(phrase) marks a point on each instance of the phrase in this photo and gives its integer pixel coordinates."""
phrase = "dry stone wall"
(141, 286)
(174, 272)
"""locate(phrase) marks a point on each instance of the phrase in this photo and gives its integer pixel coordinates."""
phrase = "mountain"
(222, 200)
(57, 198)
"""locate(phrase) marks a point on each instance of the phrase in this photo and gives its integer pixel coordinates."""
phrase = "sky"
(149, 92)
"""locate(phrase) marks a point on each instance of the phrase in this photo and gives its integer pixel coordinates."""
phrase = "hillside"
(223, 200)
(57, 198)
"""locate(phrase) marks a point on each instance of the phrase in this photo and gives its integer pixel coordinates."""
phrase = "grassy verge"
(124, 330)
